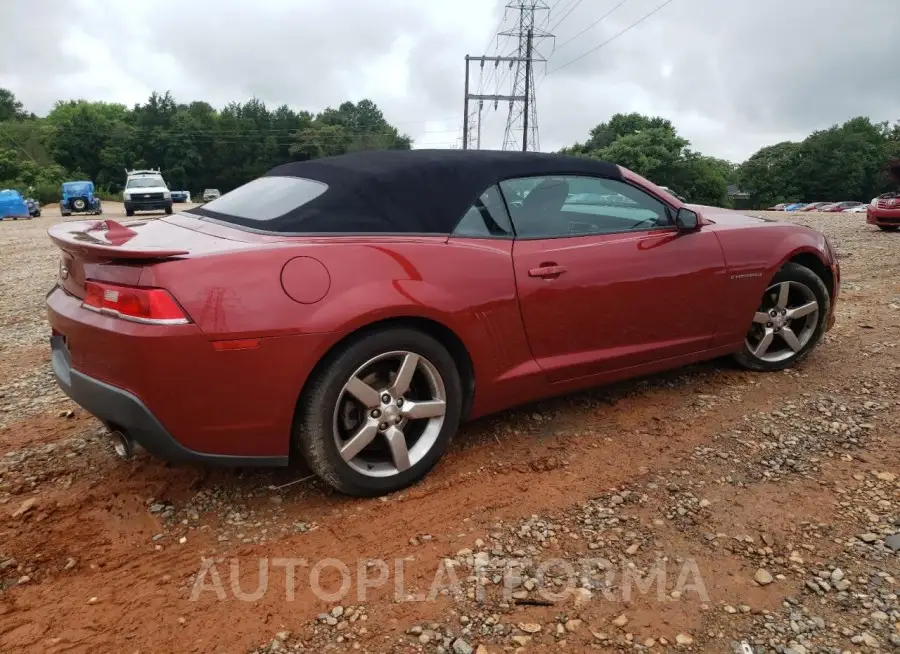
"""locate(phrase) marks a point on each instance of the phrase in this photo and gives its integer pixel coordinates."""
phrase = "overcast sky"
(733, 75)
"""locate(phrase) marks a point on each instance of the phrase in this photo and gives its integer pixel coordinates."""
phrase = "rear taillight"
(153, 306)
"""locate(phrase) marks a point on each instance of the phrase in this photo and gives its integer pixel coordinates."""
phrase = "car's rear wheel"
(378, 416)
(889, 228)
(789, 321)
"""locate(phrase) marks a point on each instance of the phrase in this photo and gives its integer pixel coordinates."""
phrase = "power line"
(16, 143)
(556, 11)
(521, 96)
(496, 32)
(238, 133)
(571, 9)
(610, 39)
(592, 25)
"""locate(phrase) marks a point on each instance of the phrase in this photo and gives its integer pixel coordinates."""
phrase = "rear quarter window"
(265, 198)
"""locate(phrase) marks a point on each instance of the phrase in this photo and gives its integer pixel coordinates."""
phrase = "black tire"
(129, 212)
(889, 228)
(168, 211)
(313, 431)
(65, 214)
(792, 272)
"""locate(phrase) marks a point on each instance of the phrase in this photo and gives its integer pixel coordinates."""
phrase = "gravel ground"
(703, 510)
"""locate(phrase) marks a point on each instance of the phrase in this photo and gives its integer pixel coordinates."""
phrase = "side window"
(486, 218)
(570, 205)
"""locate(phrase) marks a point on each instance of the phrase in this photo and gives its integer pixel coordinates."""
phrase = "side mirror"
(687, 220)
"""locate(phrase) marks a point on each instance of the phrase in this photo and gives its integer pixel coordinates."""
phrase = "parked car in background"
(235, 334)
(79, 197)
(34, 207)
(211, 194)
(668, 190)
(181, 196)
(795, 206)
(146, 190)
(837, 207)
(12, 205)
(779, 207)
(814, 206)
(860, 209)
(884, 212)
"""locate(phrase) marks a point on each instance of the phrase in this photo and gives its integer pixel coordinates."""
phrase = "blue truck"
(79, 197)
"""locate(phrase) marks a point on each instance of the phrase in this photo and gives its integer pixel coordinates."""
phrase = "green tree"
(11, 108)
(770, 176)
(651, 147)
(843, 162)
(620, 125)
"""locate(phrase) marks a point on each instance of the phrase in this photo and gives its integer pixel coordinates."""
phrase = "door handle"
(547, 271)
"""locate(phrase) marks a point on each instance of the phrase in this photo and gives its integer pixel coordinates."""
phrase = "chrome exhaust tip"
(123, 445)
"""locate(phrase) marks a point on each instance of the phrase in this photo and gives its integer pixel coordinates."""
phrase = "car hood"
(729, 218)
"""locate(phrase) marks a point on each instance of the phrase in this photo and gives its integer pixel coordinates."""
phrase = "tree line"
(198, 146)
(195, 145)
(852, 161)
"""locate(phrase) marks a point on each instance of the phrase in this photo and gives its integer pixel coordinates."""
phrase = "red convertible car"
(354, 310)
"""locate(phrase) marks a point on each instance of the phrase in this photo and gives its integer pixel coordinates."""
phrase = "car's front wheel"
(789, 322)
(379, 414)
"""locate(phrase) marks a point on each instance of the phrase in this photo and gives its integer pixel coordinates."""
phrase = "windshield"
(77, 187)
(145, 182)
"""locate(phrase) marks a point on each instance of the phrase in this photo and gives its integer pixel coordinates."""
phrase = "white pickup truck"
(146, 190)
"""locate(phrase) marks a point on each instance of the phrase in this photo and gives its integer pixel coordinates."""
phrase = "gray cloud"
(733, 76)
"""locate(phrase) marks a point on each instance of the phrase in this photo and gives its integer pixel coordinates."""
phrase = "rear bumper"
(176, 394)
(122, 410)
(883, 217)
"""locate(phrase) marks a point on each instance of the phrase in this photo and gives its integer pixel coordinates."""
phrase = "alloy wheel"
(389, 414)
(784, 323)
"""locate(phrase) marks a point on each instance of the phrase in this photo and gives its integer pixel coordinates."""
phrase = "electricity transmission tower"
(522, 117)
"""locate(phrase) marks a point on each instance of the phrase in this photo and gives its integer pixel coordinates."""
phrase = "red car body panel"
(621, 305)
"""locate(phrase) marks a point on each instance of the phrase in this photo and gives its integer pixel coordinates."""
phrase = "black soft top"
(407, 191)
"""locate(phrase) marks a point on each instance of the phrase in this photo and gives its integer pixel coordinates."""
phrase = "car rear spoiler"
(105, 239)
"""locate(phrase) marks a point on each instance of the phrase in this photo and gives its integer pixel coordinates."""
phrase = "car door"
(605, 280)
